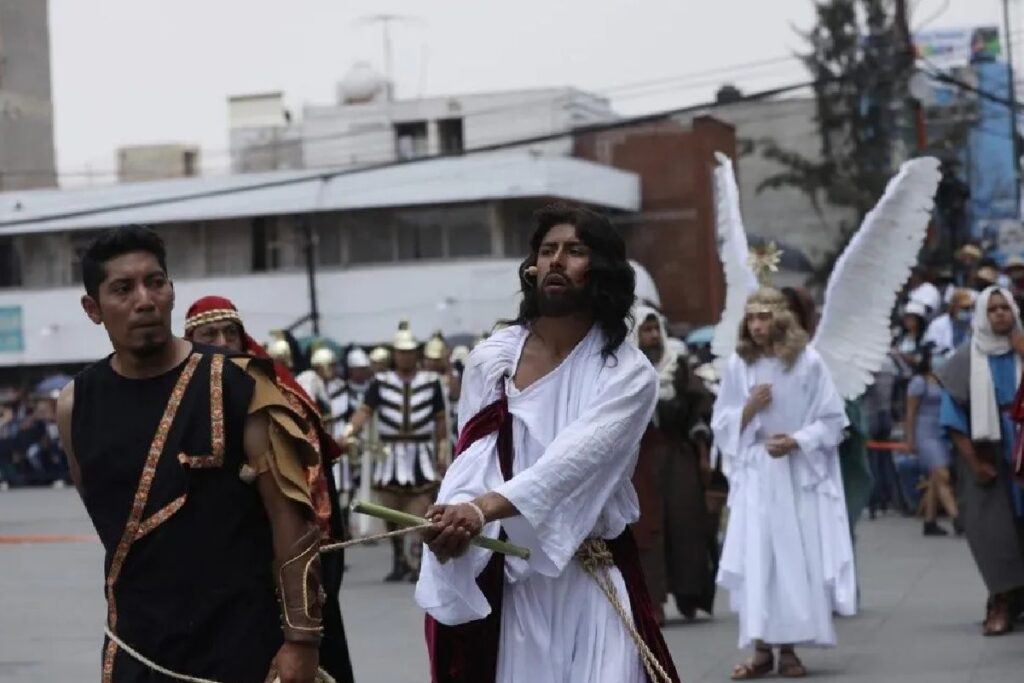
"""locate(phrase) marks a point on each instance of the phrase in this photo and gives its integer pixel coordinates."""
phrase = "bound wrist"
(479, 513)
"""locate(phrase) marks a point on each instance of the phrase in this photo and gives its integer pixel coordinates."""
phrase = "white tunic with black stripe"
(406, 414)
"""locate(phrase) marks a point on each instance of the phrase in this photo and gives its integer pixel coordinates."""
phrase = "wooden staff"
(405, 519)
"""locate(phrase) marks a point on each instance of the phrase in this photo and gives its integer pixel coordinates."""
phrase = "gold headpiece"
(435, 348)
(280, 350)
(380, 355)
(766, 300)
(764, 262)
(404, 338)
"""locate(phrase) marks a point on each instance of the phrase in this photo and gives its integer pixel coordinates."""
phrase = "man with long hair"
(191, 465)
(788, 559)
(552, 411)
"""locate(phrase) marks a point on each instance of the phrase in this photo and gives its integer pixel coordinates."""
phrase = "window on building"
(468, 239)
(259, 244)
(371, 238)
(45, 260)
(328, 233)
(271, 244)
(10, 263)
(420, 242)
(468, 230)
(518, 225)
(184, 260)
(189, 162)
(80, 242)
(411, 139)
(229, 247)
(450, 132)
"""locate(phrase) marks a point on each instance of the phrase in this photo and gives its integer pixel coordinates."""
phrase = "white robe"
(576, 434)
(788, 558)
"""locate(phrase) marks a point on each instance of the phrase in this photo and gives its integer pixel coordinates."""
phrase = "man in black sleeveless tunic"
(191, 465)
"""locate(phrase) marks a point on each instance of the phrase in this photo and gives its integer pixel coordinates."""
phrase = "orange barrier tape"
(887, 446)
(48, 538)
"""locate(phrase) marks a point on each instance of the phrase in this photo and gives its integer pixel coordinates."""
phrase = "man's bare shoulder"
(65, 408)
(66, 399)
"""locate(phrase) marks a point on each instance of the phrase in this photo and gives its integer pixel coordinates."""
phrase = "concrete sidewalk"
(923, 603)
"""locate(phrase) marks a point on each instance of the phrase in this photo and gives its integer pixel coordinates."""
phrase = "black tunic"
(195, 594)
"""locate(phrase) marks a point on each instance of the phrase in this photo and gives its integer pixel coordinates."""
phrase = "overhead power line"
(481, 149)
(751, 70)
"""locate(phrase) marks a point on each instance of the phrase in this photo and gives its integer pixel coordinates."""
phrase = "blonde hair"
(788, 338)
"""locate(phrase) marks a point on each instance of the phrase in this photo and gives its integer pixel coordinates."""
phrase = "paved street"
(922, 607)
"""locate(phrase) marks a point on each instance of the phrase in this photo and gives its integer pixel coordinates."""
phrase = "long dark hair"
(611, 282)
(801, 305)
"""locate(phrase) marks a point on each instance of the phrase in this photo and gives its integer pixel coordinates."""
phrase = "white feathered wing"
(740, 281)
(853, 336)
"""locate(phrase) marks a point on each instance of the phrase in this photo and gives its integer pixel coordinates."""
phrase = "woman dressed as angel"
(788, 559)
(779, 419)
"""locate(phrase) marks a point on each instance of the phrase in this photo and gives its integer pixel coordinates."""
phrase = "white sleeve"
(448, 592)
(562, 495)
(821, 435)
(731, 438)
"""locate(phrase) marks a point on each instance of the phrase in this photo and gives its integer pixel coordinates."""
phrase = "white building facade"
(436, 242)
(365, 126)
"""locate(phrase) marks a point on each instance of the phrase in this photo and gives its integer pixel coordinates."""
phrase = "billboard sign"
(956, 47)
(11, 338)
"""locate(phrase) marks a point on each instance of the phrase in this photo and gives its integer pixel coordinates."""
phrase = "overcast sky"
(145, 71)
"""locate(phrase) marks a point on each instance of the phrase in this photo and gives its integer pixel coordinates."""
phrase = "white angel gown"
(788, 558)
(576, 434)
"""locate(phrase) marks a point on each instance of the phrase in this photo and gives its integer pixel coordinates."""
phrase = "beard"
(152, 344)
(569, 302)
(653, 353)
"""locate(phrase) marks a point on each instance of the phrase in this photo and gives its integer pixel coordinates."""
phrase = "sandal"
(790, 665)
(755, 668)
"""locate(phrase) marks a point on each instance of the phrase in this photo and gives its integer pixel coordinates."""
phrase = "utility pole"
(1013, 105)
(309, 247)
(907, 56)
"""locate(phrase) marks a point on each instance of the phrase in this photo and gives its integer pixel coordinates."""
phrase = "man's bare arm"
(291, 531)
(359, 419)
(440, 426)
(287, 519)
(65, 408)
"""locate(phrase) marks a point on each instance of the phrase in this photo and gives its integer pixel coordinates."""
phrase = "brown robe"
(676, 534)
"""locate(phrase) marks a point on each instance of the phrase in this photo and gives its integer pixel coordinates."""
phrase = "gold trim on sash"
(131, 529)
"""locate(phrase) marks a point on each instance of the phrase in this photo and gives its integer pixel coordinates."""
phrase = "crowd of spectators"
(30, 452)
(933, 320)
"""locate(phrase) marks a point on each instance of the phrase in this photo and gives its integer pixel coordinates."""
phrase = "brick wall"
(674, 234)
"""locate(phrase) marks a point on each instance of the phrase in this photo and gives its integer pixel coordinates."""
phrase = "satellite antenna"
(385, 20)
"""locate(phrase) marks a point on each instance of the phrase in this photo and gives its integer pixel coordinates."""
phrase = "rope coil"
(322, 676)
(596, 558)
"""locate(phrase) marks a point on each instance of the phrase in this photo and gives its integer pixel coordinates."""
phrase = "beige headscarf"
(985, 424)
(669, 361)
